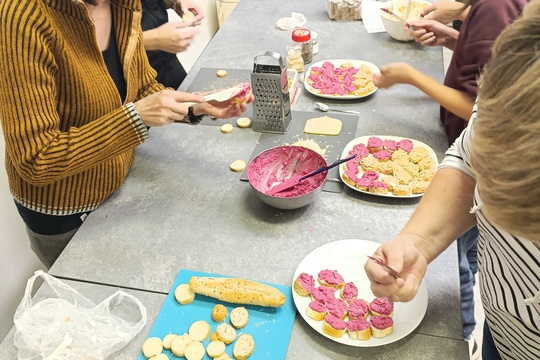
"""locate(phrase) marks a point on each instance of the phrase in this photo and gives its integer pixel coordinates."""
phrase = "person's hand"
(433, 33)
(194, 8)
(402, 255)
(165, 107)
(224, 109)
(443, 11)
(172, 37)
(392, 74)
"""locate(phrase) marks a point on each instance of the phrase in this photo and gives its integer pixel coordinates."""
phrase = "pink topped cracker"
(358, 324)
(379, 184)
(337, 307)
(323, 294)
(317, 306)
(352, 166)
(358, 309)
(330, 277)
(364, 183)
(371, 175)
(382, 306)
(360, 150)
(374, 143)
(405, 145)
(390, 145)
(307, 281)
(382, 155)
(349, 291)
(381, 322)
(335, 322)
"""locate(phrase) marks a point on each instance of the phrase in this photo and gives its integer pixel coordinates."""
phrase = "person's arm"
(446, 11)
(455, 101)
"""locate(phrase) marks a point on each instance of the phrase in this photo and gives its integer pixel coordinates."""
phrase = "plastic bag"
(72, 327)
(290, 23)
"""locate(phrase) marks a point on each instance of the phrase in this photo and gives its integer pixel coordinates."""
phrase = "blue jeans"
(467, 245)
(489, 350)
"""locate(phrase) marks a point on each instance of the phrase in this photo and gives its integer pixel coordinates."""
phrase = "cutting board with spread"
(271, 328)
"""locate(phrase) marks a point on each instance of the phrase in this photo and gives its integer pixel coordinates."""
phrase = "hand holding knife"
(388, 269)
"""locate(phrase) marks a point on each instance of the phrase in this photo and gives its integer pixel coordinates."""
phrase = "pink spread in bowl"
(278, 164)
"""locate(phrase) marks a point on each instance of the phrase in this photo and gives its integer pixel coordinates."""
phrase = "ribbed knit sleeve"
(70, 139)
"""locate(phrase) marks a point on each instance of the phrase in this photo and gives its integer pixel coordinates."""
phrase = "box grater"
(272, 106)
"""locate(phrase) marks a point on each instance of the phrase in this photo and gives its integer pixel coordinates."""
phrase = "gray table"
(181, 206)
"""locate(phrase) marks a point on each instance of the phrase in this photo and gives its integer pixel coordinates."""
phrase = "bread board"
(271, 328)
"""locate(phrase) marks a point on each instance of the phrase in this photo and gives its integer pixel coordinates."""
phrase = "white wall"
(17, 261)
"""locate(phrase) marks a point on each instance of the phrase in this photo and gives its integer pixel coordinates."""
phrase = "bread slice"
(359, 329)
(183, 294)
(316, 310)
(219, 313)
(334, 326)
(244, 347)
(226, 333)
(239, 317)
(238, 291)
(195, 351)
(199, 330)
(381, 326)
(179, 343)
(152, 346)
(215, 348)
(167, 340)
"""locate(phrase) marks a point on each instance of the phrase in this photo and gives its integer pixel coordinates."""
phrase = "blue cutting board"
(270, 327)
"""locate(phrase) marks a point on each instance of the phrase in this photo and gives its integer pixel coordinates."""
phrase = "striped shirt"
(509, 272)
(70, 138)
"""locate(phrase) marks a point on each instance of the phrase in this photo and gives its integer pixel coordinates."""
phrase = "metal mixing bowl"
(276, 164)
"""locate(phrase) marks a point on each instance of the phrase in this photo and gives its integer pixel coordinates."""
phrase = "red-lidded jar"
(303, 36)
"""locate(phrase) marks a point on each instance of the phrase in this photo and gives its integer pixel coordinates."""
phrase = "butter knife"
(399, 18)
(388, 269)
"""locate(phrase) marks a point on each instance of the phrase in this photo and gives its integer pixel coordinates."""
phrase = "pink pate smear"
(382, 306)
(358, 324)
(307, 282)
(390, 145)
(335, 322)
(374, 142)
(379, 184)
(364, 183)
(317, 306)
(382, 155)
(349, 291)
(405, 145)
(331, 277)
(360, 150)
(358, 309)
(337, 307)
(262, 172)
(245, 90)
(371, 175)
(323, 294)
(381, 322)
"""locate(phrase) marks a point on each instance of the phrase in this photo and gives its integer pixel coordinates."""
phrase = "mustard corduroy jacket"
(70, 139)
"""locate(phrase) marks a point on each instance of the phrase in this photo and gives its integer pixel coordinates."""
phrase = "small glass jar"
(315, 42)
(303, 37)
(294, 57)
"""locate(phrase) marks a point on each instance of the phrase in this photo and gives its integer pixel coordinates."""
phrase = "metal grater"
(272, 106)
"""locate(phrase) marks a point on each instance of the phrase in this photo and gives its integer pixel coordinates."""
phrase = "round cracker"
(221, 73)
(226, 128)
(238, 166)
(243, 122)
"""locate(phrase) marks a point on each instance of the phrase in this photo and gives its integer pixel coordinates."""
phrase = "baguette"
(237, 291)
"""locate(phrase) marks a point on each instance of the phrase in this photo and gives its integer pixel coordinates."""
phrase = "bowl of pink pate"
(280, 163)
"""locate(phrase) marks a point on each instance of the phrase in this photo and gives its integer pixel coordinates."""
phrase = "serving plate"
(337, 63)
(348, 258)
(364, 140)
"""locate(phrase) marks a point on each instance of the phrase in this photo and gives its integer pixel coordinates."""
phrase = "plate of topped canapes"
(331, 291)
(341, 79)
(390, 166)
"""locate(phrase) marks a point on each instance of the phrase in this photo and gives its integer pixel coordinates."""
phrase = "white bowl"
(283, 162)
(394, 27)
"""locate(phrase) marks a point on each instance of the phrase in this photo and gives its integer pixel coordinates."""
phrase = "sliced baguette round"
(219, 313)
(152, 346)
(215, 348)
(199, 330)
(167, 340)
(195, 351)
(239, 317)
(179, 343)
(226, 333)
(183, 294)
(244, 347)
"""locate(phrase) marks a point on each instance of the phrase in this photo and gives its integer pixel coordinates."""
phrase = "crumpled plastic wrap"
(290, 23)
(345, 9)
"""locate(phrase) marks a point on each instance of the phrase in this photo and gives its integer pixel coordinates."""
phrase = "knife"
(399, 18)
(388, 269)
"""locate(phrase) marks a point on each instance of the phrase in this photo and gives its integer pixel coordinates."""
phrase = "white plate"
(348, 258)
(364, 140)
(356, 63)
